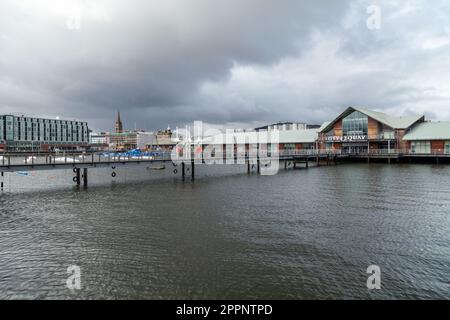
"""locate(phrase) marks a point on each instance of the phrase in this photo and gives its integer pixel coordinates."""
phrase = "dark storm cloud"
(169, 61)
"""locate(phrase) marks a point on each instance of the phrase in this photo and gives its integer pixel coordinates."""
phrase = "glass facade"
(355, 124)
(29, 133)
(421, 147)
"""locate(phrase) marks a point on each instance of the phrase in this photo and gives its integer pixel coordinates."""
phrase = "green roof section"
(429, 131)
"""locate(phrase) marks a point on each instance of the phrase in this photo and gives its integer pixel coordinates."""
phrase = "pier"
(80, 164)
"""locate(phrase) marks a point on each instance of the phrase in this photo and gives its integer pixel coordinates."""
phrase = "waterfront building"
(99, 141)
(288, 141)
(358, 130)
(20, 133)
(123, 141)
(163, 141)
(143, 139)
(429, 138)
(129, 140)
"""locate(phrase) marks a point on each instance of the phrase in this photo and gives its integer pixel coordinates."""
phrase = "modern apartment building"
(19, 133)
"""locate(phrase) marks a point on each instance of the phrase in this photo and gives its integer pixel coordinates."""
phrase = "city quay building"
(355, 133)
(362, 131)
(26, 134)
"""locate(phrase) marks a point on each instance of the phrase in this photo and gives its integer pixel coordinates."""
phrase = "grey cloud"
(154, 59)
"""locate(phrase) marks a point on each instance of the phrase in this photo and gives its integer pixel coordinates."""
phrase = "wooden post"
(78, 176)
(192, 170)
(85, 177)
(183, 172)
(307, 163)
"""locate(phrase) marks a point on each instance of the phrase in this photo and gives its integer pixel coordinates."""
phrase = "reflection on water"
(299, 234)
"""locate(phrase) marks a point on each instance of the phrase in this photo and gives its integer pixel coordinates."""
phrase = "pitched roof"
(429, 131)
(390, 121)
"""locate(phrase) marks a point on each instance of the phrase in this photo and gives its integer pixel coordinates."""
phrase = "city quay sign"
(347, 138)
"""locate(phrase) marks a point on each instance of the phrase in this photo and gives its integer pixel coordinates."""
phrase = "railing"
(16, 159)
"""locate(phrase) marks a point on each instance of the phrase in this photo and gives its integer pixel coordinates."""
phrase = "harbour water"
(302, 234)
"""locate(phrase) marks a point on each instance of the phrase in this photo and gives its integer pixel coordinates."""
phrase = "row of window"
(424, 147)
(355, 124)
(15, 129)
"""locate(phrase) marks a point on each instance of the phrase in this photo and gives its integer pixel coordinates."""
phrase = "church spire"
(118, 125)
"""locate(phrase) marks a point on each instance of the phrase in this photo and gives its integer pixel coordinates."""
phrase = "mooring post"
(285, 164)
(192, 170)
(78, 178)
(85, 177)
(183, 172)
(307, 163)
(1, 183)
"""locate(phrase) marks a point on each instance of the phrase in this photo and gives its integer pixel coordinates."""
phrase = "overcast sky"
(237, 62)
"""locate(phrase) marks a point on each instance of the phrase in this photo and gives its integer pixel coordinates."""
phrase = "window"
(355, 124)
(289, 146)
(447, 147)
(421, 147)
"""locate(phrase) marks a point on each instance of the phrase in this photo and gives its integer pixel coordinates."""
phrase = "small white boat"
(66, 160)
(142, 158)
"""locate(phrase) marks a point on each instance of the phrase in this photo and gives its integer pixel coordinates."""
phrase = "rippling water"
(300, 234)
